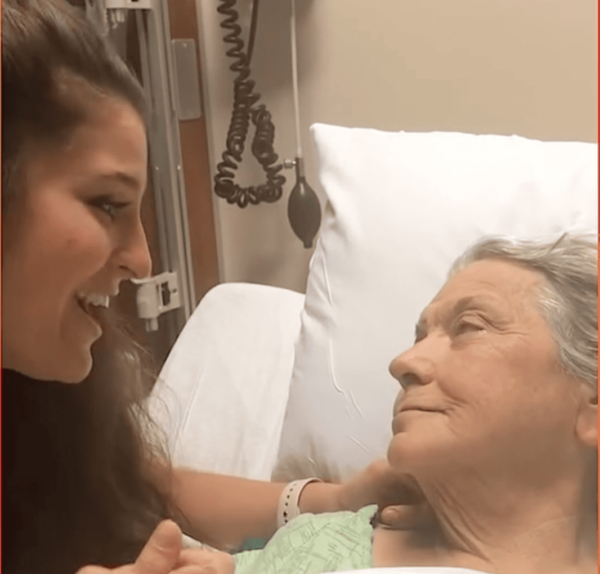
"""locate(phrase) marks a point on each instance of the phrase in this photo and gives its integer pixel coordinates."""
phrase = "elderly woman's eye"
(468, 327)
(420, 334)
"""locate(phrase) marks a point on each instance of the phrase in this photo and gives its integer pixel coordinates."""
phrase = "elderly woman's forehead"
(491, 282)
(496, 274)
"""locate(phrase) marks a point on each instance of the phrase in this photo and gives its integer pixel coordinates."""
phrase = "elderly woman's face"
(73, 235)
(482, 384)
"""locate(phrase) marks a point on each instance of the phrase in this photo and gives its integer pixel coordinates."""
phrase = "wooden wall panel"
(196, 166)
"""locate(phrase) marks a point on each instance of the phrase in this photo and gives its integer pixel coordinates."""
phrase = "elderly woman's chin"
(420, 441)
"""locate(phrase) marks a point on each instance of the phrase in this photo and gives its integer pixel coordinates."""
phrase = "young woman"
(81, 483)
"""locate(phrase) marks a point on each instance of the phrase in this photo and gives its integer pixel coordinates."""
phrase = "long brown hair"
(76, 459)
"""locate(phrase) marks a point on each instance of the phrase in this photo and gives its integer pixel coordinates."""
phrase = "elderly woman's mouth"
(421, 408)
(406, 412)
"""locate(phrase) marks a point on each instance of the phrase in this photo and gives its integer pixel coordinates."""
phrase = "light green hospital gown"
(314, 543)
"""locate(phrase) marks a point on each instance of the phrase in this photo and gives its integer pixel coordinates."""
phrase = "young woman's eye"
(108, 206)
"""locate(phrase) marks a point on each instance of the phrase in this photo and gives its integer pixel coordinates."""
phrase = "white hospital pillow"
(400, 208)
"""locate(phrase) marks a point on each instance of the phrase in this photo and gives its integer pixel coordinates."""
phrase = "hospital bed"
(266, 383)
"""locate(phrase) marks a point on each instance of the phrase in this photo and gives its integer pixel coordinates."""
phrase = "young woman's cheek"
(92, 239)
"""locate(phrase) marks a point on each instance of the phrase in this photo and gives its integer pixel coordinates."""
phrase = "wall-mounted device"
(157, 295)
(304, 211)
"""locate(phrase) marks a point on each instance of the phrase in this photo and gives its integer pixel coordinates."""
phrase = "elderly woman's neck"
(526, 532)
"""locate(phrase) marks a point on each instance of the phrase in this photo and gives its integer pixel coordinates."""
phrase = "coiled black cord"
(246, 110)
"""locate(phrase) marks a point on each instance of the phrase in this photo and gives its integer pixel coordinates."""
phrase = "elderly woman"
(81, 482)
(495, 427)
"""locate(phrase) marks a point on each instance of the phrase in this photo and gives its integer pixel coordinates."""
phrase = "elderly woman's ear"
(587, 420)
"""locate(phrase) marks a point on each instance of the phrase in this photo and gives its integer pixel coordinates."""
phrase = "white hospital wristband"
(288, 502)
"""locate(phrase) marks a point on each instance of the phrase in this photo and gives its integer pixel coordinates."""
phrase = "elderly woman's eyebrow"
(473, 302)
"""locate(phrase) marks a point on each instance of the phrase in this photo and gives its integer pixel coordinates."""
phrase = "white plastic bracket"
(155, 296)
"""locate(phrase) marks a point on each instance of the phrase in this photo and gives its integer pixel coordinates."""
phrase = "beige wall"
(526, 67)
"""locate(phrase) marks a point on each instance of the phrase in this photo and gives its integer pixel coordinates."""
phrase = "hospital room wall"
(526, 67)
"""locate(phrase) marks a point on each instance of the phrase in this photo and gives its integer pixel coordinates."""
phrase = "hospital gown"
(314, 543)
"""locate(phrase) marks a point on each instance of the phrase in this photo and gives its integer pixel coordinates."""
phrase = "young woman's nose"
(134, 254)
(413, 367)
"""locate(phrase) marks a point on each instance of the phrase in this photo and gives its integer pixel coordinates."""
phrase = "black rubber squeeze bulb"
(304, 210)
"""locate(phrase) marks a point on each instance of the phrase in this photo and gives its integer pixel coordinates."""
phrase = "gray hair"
(569, 296)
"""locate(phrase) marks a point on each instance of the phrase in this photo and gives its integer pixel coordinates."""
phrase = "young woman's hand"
(209, 560)
(399, 499)
(163, 554)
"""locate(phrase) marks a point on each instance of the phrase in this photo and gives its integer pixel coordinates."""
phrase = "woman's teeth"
(95, 299)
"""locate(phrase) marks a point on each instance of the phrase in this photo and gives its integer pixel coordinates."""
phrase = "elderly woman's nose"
(411, 367)
(134, 255)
